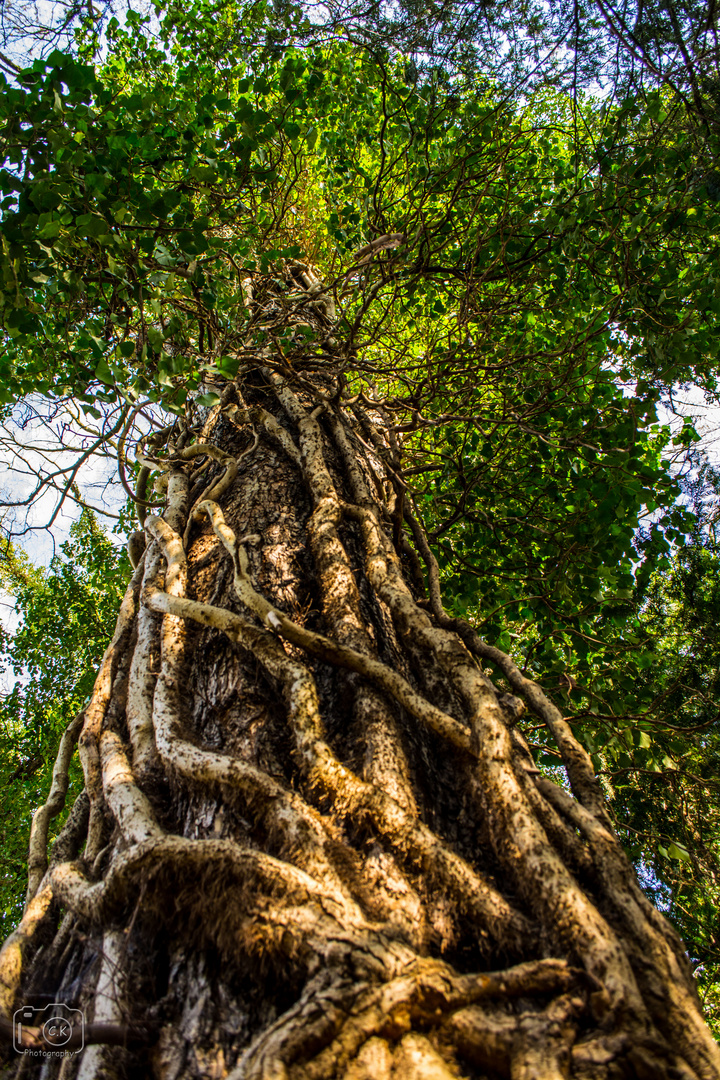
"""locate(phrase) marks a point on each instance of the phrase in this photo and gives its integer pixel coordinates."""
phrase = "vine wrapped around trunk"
(313, 842)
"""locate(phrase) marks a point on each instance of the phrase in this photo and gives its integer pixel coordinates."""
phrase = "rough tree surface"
(313, 843)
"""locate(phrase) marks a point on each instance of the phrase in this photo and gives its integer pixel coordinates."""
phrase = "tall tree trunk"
(314, 843)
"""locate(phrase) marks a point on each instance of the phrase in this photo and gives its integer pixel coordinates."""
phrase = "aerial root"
(201, 870)
(37, 854)
(289, 820)
(341, 608)
(647, 1058)
(647, 936)
(141, 680)
(629, 913)
(417, 1059)
(520, 841)
(386, 578)
(12, 956)
(558, 831)
(575, 758)
(129, 805)
(220, 486)
(384, 677)
(518, 817)
(374, 1061)
(96, 709)
(385, 763)
(425, 995)
(338, 1030)
(278, 432)
(615, 871)
(415, 841)
(17, 945)
(531, 1044)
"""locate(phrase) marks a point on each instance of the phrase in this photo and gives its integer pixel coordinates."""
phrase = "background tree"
(66, 614)
(379, 315)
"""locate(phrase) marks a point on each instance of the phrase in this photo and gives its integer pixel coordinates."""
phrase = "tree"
(360, 330)
(67, 615)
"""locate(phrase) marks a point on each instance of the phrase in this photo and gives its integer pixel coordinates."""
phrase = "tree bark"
(317, 844)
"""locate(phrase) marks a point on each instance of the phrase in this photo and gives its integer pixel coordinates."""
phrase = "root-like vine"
(347, 798)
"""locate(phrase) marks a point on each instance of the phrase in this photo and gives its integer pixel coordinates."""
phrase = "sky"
(39, 441)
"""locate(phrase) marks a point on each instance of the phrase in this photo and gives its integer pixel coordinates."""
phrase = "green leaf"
(104, 373)
(229, 366)
(50, 230)
(674, 851)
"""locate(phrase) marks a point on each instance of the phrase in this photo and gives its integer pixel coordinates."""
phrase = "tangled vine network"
(504, 927)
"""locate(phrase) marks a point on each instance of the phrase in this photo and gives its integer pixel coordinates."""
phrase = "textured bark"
(317, 845)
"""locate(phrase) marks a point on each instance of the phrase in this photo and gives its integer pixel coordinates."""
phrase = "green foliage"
(66, 618)
(117, 253)
(666, 783)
